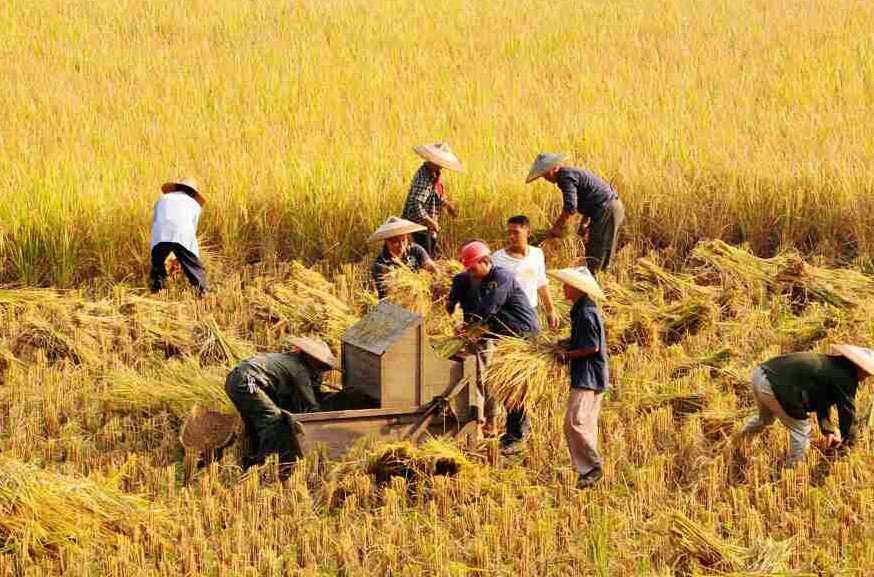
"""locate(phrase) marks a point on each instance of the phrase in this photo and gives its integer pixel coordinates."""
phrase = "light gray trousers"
(769, 410)
(581, 429)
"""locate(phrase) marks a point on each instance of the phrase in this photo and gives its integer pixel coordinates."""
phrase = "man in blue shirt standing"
(590, 375)
(492, 296)
(586, 193)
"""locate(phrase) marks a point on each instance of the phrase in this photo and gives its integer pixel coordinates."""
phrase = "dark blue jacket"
(498, 300)
(584, 192)
(587, 331)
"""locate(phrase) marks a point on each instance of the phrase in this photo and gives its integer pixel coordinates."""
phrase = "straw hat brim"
(580, 282)
(859, 356)
(317, 350)
(446, 160)
(539, 168)
(385, 232)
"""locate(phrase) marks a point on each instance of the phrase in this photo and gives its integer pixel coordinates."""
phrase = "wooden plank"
(355, 414)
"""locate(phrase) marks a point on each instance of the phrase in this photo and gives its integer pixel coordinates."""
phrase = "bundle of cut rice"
(680, 403)
(676, 286)
(695, 543)
(686, 317)
(523, 372)
(220, 347)
(410, 289)
(714, 359)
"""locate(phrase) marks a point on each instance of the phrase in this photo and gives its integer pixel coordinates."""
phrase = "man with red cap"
(491, 296)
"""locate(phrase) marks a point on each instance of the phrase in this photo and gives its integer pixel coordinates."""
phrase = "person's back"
(592, 193)
(498, 300)
(175, 220)
(806, 381)
(292, 381)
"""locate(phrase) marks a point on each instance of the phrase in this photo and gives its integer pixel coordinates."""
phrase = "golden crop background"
(94, 387)
(747, 119)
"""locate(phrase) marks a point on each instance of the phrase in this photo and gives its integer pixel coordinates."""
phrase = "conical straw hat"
(440, 154)
(859, 356)
(317, 349)
(394, 226)
(187, 185)
(542, 164)
(581, 279)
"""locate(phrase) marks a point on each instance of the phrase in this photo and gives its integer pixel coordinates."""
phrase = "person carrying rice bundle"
(174, 230)
(528, 264)
(789, 387)
(586, 193)
(586, 351)
(491, 296)
(397, 250)
(268, 387)
(426, 197)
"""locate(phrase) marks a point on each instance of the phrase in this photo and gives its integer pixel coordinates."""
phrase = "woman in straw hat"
(426, 197)
(791, 386)
(586, 351)
(268, 387)
(397, 251)
(584, 192)
(174, 231)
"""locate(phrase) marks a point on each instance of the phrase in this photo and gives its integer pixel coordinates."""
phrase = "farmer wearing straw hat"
(426, 197)
(268, 387)
(491, 296)
(174, 231)
(586, 351)
(584, 192)
(397, 251)
(791, 386)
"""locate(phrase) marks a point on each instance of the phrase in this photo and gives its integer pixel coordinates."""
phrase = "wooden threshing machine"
(394, 385)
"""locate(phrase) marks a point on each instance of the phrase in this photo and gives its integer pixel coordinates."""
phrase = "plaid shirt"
(425, 197)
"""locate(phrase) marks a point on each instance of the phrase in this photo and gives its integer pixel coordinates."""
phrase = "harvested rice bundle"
(680, 403)
(804, 332)
(715, 359)
(447, 346)
(41, 511)
(804, 283)
(37, 334)
(695, 543)
(685, 317)
(634, 324)
(647, 273)
(737, 266)
(443, 282)
(410, 289)
(404, 459)
(717, 424)
(157, 325)
(221, 348)
(524, 372)
(177, 386)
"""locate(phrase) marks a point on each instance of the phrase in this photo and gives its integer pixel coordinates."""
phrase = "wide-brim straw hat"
(440, 154)
(394, 226)
(542, 164)
(859, 356)
(581, 279)
(187, 185)
(317, 349)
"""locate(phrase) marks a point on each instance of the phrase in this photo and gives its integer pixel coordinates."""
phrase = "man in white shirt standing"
(174, 230)
(528, 264)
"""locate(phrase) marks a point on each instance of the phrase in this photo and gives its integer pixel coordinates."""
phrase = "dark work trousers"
(269, 429)
(428, 241)
(604, 237)
(517, 427)
(191, 266)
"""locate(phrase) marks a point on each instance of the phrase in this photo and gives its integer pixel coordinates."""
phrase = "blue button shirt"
(498, 299)
(587, 331)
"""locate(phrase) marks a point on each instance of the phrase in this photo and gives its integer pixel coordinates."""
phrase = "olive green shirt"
(814, 383)
(289, 380)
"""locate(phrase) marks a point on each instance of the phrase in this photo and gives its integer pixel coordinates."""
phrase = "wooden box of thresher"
(400, 386)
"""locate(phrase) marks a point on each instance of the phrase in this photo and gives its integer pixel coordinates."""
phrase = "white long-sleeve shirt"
(175, 220)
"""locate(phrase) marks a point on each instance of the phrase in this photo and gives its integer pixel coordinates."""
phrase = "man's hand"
(557, 231)
(831, 441)
(561, 356)
(583, 230)
(552, 318)
(450, 208)
(432, 225)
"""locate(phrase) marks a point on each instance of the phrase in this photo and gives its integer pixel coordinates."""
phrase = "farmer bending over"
(492, 296)
(791, 386)
(268, 387)
(586, 351)
(584, 192)
(174, 230)
(397, 251)
(426, 197)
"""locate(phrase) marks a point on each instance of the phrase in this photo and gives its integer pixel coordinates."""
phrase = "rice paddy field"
(737, 133)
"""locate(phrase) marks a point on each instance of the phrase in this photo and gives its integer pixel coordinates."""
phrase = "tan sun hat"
(394, 226)
(317, 349)
(581, 279)
(440, 154)
(542, 164)
(187, 185)
(859, 356)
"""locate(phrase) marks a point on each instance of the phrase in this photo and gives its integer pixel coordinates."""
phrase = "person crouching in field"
(590, 374)
(397, 251)
(268, 387)
(584, 192)
(426, 197)
(791, 386)
(174, 230)
(493, 299)
(528, 264)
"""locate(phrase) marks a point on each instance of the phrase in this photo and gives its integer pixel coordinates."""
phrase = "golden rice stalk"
(714, 359)
(177, 386)
(42, 512)
(694, 542)
(404, 459)
(685, 317)
(648, 273)
(717, 424)
(220, 347)
(524, 372)
(804, 283)
(410, 289)
(447, 346)
(37, 334)
(680, 403)
(157, 325)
